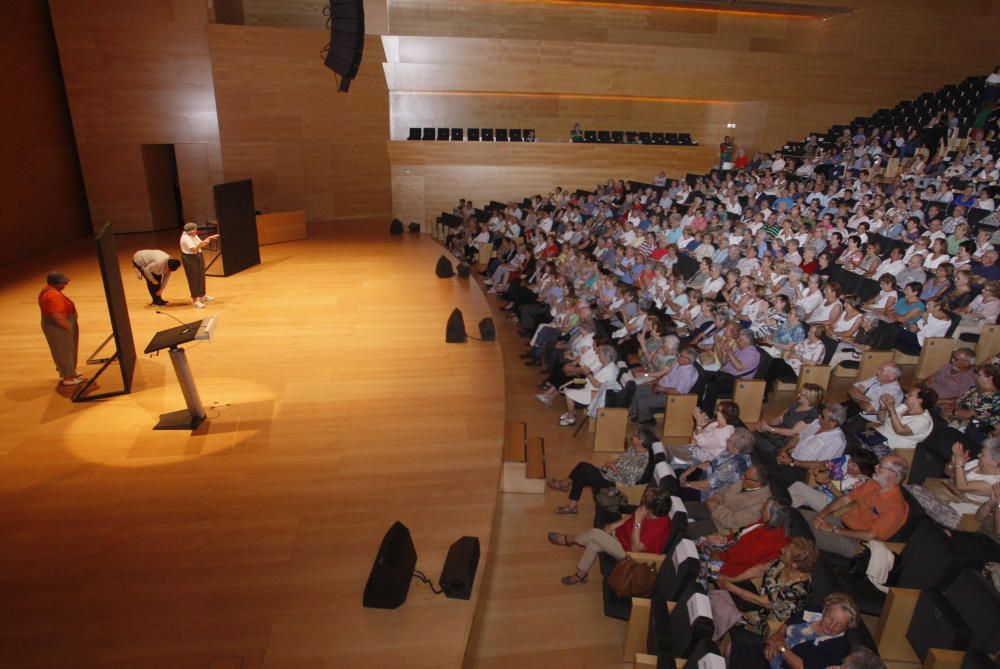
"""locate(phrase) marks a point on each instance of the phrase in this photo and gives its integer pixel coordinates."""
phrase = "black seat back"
(978, 602)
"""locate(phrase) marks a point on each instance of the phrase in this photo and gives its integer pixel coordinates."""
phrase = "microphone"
(171, 316)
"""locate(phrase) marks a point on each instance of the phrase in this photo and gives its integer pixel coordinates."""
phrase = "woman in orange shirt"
(60, 328)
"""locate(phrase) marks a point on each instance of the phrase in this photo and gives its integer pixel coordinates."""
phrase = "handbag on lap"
(630, 578)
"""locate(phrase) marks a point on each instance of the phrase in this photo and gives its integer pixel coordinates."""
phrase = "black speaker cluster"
(389, 581)
(472, 135)
(347, 39)
(633, 137)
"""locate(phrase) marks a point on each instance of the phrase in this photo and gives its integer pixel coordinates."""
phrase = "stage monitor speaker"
(463, 270)
(455, 330)
(396, 227)
(389, 581)
(459, 571)
(487, 330)
(444, 269)
(347, 39)
(413, 227)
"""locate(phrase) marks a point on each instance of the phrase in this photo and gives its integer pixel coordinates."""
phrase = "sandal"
(574, 579)
(556, 484)
(559, 539)
(567, 510)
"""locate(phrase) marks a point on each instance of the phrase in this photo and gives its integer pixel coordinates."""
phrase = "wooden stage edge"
(335, 408)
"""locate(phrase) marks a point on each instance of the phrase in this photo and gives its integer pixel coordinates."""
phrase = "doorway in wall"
(163, 186)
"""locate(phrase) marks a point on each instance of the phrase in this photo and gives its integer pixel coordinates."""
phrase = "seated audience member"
(645, 531)
(954, 379)
(970, 480)
(809, 351)
(595, 380)
(678, 381)
(741, 360)
(721, 471)
(883, 303)
(772, 434)
(807, 640)
(983, 310)
(818, 442)
(626, 469)
(756, 544)
(935, 322)
(977, 411)
(873, 334)
(863, 396)
(975, 549)
(834, 478)
(734, 507)
(903, 425)
(785, 585)
(710, 436)
(874, 510)
(910, 308)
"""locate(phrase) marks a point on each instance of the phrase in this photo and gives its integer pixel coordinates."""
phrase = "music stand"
(194, 415)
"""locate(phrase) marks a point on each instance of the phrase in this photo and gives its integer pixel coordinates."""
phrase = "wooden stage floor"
(335, 409)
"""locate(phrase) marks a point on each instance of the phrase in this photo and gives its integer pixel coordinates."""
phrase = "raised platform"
(334, 409)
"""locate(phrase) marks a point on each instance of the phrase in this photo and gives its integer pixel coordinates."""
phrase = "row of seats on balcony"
(633, 137)
(473, 134)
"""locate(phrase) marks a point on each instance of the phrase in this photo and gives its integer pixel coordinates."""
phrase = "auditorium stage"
(335, 408)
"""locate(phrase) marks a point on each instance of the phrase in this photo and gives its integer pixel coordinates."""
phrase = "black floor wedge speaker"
(487, 330)
(444, 268)
(396, 227)
(455, 330)
(459, 572)
(389, 581)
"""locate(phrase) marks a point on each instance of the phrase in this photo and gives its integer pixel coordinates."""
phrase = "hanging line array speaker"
(347, 39)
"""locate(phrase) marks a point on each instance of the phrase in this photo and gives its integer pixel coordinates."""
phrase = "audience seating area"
(699, 297)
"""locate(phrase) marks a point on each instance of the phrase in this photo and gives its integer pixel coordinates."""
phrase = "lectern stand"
(194, 415)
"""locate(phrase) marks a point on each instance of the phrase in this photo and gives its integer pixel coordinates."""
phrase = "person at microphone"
(155, 267)
(194, 263)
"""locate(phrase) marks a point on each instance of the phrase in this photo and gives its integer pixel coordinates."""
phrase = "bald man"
(875, 510)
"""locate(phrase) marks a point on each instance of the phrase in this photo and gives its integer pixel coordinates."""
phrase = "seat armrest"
(649, 558)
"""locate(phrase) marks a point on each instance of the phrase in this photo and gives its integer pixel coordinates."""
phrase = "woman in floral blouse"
(977, 412)
(629, 468)
(785, 586)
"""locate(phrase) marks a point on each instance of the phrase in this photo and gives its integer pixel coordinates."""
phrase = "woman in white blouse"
(811, 296)
(938, 254)
(883, 303)
(710, 436)
(829, 310)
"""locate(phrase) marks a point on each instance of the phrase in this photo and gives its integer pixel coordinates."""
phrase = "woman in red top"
(59, 327)
(754, 545)
(646, 531)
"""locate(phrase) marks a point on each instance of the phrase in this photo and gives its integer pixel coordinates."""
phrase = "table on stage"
(283, 226)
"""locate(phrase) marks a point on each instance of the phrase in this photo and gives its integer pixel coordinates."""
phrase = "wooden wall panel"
(308, 14)
(194, 173)
(806, 73)
(486, 172)
(136, 73)
(42, 201)
(284, 125)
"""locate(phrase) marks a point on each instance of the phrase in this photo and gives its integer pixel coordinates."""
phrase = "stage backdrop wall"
(285, 126)
(42, 201)
(139, 73)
